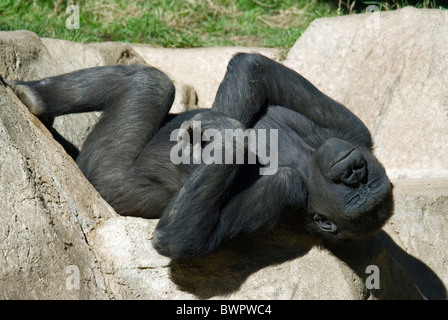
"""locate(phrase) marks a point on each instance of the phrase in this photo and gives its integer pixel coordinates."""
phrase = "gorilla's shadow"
(223, 272)
(402, 276)
(424, 277)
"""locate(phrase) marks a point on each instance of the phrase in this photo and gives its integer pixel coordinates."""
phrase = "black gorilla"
(327, 175)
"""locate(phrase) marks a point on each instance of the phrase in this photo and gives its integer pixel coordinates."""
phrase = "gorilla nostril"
(349, 170)
(360, 164)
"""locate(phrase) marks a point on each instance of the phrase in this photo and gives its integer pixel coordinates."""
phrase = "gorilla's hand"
(208, 123)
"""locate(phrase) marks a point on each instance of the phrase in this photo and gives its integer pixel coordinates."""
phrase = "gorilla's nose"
(350, 169)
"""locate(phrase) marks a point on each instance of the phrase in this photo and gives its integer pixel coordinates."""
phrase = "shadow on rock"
(402, 276)
(223, 272)
(424, 277)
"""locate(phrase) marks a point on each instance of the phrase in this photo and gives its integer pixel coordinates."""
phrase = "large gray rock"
(281, 264)
(47, 212)
(418, 232)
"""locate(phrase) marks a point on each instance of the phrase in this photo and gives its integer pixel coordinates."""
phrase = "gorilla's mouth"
(324, 223)
(364, 191)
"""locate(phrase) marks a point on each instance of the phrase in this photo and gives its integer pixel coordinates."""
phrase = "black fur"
(327, 175)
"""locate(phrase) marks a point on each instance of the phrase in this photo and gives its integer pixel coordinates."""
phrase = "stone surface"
(47, 210)
(419, 230)
(278, 265)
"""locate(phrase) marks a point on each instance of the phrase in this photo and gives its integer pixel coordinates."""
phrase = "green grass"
(194, 23)
(191, 23)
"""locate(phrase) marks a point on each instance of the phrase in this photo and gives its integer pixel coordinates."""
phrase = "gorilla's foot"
(29, 97)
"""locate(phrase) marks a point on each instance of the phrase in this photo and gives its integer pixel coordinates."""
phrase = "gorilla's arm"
(254, 82)
(207, 210)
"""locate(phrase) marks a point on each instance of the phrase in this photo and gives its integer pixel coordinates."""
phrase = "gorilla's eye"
(324, 223)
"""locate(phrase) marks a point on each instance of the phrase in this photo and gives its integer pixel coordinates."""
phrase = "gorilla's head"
(349, 193)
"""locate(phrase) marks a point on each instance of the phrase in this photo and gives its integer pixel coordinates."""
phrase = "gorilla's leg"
(92, 89)
(135, 99)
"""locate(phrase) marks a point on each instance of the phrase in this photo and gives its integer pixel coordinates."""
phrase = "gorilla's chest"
(293, 136)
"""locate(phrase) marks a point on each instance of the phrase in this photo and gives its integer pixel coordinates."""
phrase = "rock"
(419, 232)
(277, 265)
(47, 211)
(185, 99)
(24, 56)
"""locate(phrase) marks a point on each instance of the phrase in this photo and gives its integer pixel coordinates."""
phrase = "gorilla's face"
(349, 193)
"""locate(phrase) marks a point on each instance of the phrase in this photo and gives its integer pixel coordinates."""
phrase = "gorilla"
(327, 177)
